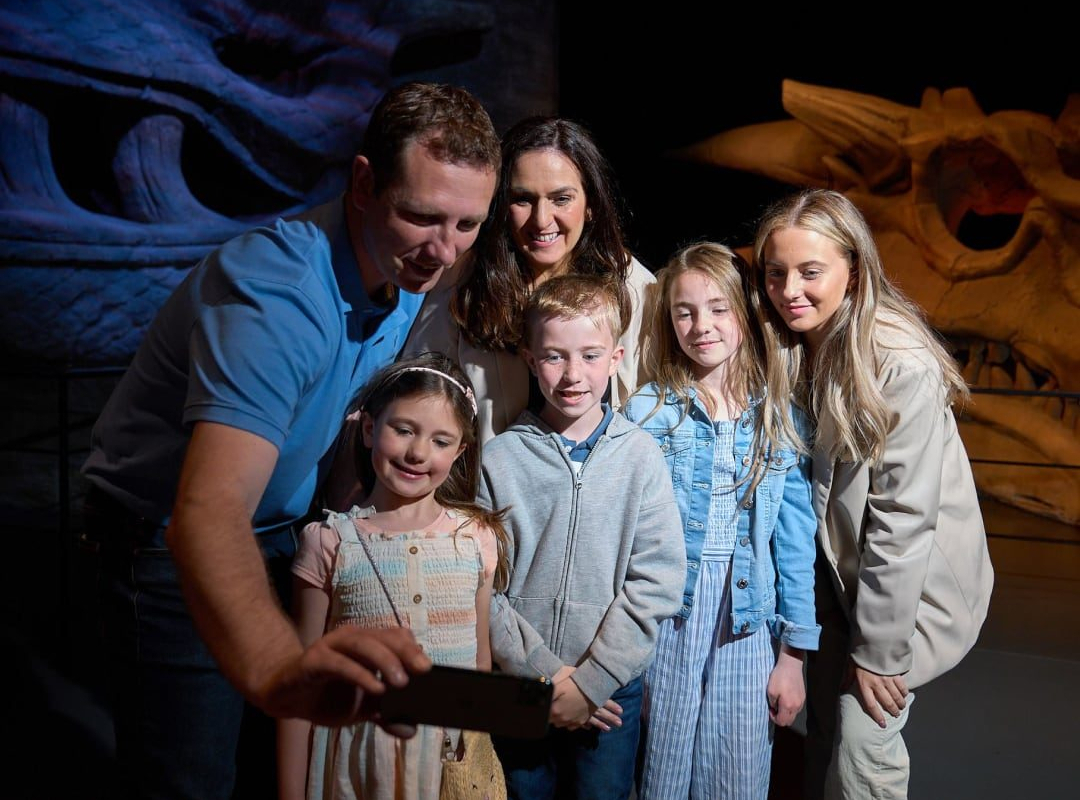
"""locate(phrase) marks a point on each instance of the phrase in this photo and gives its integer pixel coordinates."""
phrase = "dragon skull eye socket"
(980, 193)
(99, 165)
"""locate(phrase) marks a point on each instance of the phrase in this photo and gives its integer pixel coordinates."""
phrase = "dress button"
(741, 583)
(414, 550)
(744, 541)
(417, 598)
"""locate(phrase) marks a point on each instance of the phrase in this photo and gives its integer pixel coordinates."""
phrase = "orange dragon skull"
(978, 219)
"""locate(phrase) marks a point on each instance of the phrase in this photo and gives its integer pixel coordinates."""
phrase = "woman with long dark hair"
(555, 212)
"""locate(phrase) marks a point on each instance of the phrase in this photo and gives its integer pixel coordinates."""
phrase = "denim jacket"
(772, 570)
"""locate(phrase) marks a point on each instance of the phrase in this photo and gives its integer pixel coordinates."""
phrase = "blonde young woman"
(904, 577)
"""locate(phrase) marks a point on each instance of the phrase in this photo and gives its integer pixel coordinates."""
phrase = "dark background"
(652, 80)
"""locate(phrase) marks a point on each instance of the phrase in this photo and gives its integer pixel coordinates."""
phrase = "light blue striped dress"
(707, 730)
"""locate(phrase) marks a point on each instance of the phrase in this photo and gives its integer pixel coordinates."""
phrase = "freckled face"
(548, 209)
(573, 359)
(806, 278)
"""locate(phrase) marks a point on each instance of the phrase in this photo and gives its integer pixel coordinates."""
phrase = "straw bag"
(478, 775)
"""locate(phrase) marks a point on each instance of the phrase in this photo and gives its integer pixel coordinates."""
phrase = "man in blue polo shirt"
(222, 429)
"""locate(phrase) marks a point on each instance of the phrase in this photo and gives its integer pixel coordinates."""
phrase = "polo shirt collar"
(580, 450)
(347, 270)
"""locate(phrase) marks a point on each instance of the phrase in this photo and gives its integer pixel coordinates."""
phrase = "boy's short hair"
(571, 296)
(447, 120)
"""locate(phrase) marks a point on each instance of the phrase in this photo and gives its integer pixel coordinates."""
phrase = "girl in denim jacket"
(743, 490)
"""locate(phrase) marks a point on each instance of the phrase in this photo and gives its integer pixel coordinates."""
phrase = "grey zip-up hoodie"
(598, 558)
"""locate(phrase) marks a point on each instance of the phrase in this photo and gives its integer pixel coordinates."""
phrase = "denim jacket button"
(742, 584)
(746, 461)
(778, 460)
(745, 627)
(744, 541)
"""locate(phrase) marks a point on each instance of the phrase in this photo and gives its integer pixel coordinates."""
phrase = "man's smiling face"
(421, 223)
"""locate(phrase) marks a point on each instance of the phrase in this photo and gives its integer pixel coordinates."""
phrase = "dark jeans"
(825, 668)
(181, 728)
(586, 764)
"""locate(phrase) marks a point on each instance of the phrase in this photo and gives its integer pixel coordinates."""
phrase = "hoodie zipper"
(560, 615)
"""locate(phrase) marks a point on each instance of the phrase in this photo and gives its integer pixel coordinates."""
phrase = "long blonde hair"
(671, 369)
(842, 386)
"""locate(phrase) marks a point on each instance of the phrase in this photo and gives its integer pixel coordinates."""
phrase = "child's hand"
(607, 715)
(570, 709)
(786, 691)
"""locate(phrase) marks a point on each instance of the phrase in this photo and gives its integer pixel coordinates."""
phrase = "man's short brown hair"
(447, 120)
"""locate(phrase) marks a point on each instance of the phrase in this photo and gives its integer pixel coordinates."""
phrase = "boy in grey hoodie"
(598, 555)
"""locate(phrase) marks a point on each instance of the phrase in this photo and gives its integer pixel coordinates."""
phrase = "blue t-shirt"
(273, 334)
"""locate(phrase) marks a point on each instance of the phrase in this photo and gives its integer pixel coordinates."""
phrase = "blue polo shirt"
(579, 451)
(273, 334)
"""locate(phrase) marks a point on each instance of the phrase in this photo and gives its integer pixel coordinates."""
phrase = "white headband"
(465, 390)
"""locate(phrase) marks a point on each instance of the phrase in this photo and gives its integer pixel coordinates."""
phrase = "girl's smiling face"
(706, 326)
(414, 442)
(548, 209)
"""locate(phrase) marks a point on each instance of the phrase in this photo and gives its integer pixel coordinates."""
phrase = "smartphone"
(500, 704)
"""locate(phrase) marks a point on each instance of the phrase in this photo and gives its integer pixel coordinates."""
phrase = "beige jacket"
(501, 379)
(905, 536)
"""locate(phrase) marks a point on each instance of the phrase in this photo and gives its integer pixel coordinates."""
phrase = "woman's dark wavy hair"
(460, 488)
(489, 305)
